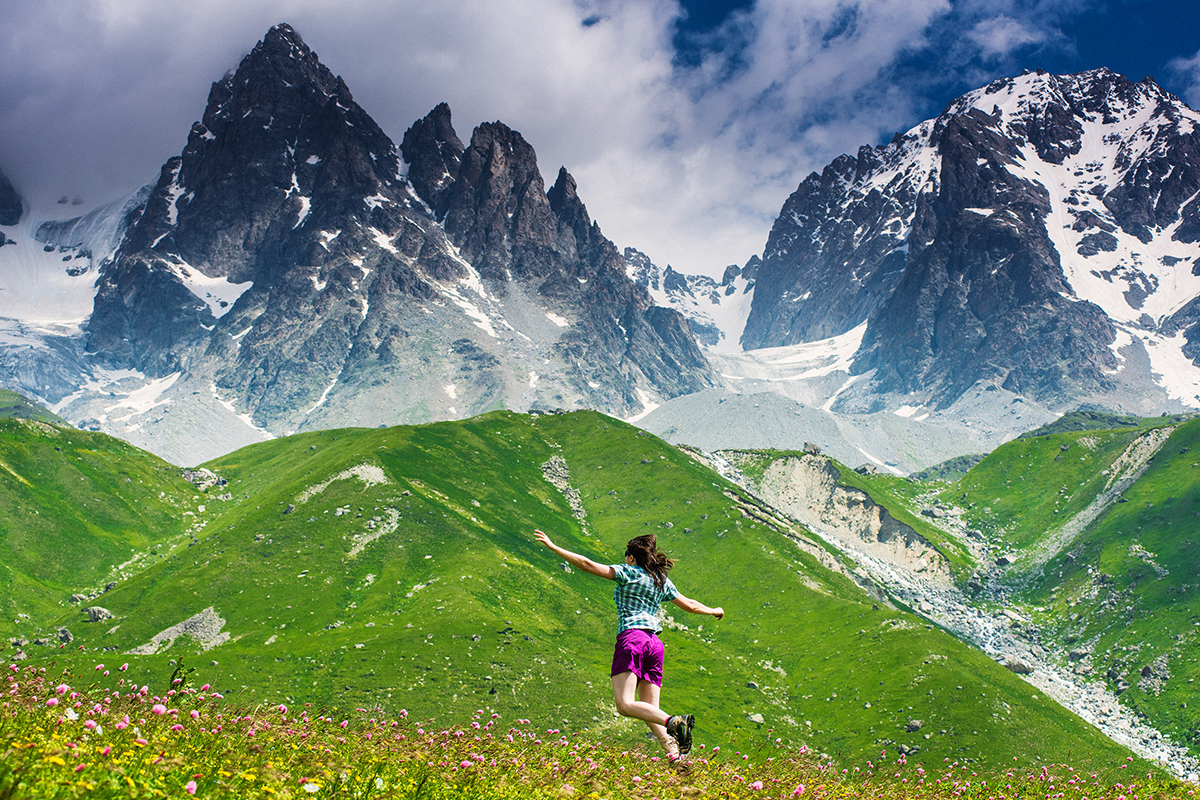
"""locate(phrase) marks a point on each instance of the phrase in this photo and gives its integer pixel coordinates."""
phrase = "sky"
(686, 123)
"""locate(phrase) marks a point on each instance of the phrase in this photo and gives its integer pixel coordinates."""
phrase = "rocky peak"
(281, 144)
(434, 153)
(10, 203)
(497, 210)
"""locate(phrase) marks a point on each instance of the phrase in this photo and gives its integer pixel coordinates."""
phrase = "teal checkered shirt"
(638, 599)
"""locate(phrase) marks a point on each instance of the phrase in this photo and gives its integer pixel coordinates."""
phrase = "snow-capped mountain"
(716, 310)
(294, 269)
(1041, 235)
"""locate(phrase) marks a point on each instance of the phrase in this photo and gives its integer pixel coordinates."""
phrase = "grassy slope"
(458, 609)
(74, 504)
(1029, 487)
(1104, 594)
(16, 406)
(1129, 589)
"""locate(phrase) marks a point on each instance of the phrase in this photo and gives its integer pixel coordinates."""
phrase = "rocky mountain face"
(716, 310)
(10, 203)
(296, 269)
(1041, 235)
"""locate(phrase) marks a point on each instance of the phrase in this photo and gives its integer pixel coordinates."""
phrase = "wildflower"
(190, 787)
(159, 709)
(124, 666)
(99, 667)
(756, 786)
(195, 714)
(799, 791)
(312, 788)
(90, 724)
(62, 688)
(52, 702)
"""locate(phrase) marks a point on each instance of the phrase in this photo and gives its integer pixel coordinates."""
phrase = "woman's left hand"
(543, 538)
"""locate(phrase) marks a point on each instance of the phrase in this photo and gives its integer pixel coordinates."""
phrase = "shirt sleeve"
(669, 590)
(622, 571)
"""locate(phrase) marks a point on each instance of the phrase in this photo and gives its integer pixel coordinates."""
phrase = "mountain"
(716, 310)
(1041, 235)
(396, 568)
(293, 269)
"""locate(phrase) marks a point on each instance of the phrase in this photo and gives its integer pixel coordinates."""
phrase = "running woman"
(642, 586)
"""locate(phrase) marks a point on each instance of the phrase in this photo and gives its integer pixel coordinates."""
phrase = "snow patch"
(146, 398)
(557, 320)
(219, 294)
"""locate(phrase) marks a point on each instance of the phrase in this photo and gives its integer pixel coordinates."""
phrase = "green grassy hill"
(1126, 595)
(1119, 601)
(16, 406)
(74, 507)
(395, 568)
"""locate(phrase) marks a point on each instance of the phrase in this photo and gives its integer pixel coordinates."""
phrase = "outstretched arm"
(574, 559)
(696, 607)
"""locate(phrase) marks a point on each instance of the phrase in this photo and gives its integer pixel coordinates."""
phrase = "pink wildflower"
(799, 791)
(159, 709)
(756, 786)
(190, 787)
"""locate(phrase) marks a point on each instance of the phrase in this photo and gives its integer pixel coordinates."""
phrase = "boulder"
(1017, 666)
(97, 613)
(756, 718)
(914, 725)
(65, 636)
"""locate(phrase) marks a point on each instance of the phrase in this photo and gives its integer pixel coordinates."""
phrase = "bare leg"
(625, 688)
(649, 693)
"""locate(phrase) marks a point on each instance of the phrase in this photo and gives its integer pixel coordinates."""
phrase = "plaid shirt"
(638, 599)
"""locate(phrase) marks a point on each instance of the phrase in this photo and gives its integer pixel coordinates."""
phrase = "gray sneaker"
(680, 729)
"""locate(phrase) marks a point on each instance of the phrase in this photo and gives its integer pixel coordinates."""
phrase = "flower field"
(101, 736)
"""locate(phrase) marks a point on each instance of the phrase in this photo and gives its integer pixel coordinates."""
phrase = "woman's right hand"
(718, 612)
(543, 538)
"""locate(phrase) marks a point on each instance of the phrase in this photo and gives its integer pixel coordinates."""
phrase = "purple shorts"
(640, 652)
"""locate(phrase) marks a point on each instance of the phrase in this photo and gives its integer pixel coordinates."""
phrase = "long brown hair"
(644, 550)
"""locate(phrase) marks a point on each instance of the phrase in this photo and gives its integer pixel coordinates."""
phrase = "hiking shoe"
(679, 727)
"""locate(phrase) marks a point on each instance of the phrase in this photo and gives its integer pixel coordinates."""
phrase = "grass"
(73, 506)
(1127, 591)
(16, 406)
(99, 735)
(1121, 603)
(396, 569)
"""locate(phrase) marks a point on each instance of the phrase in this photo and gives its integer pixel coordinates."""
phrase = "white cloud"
(1188, 69)
(689, 163)
(1000, 36)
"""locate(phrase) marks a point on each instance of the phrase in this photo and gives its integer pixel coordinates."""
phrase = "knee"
(624, 707)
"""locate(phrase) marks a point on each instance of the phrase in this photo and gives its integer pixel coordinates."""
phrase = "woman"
(642, 586)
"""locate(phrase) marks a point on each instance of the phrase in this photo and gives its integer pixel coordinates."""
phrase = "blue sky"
(685, 122)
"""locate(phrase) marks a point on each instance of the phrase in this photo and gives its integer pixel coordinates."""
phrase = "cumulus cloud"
(1000, 36)
(687, 159)
(1188, 71)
